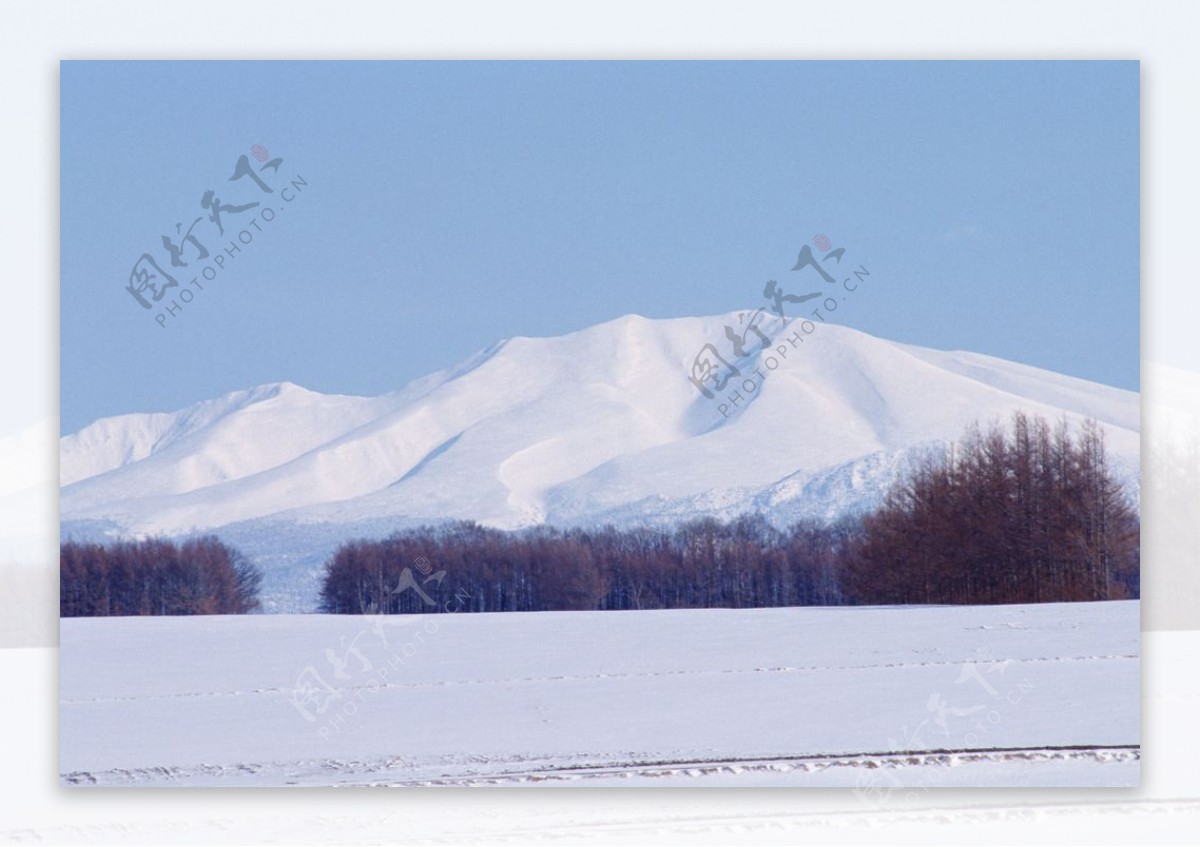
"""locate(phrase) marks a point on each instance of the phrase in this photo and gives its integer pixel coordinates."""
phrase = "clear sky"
(448, 205)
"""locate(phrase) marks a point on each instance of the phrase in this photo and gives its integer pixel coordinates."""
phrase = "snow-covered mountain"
(601, 425)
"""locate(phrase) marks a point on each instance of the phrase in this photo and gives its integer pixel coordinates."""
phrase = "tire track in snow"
(374, 773)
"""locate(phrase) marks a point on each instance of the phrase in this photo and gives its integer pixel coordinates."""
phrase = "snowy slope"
(596, 426)
(869, 697)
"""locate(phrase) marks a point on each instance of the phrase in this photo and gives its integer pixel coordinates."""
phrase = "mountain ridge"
(598, 425)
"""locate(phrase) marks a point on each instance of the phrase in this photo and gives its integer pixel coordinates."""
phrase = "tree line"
(201, 576)
(704, 563)
(1025, 514)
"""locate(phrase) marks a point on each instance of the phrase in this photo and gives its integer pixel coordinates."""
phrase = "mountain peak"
(606, 423)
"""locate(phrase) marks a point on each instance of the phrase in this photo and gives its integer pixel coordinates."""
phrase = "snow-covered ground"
(873, 698)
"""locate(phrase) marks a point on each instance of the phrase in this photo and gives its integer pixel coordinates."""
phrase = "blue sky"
(444, 206)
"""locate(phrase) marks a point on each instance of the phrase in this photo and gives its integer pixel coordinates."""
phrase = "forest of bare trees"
(705, 563)
(155, 577)
(1026, 514)
(1029, 514)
